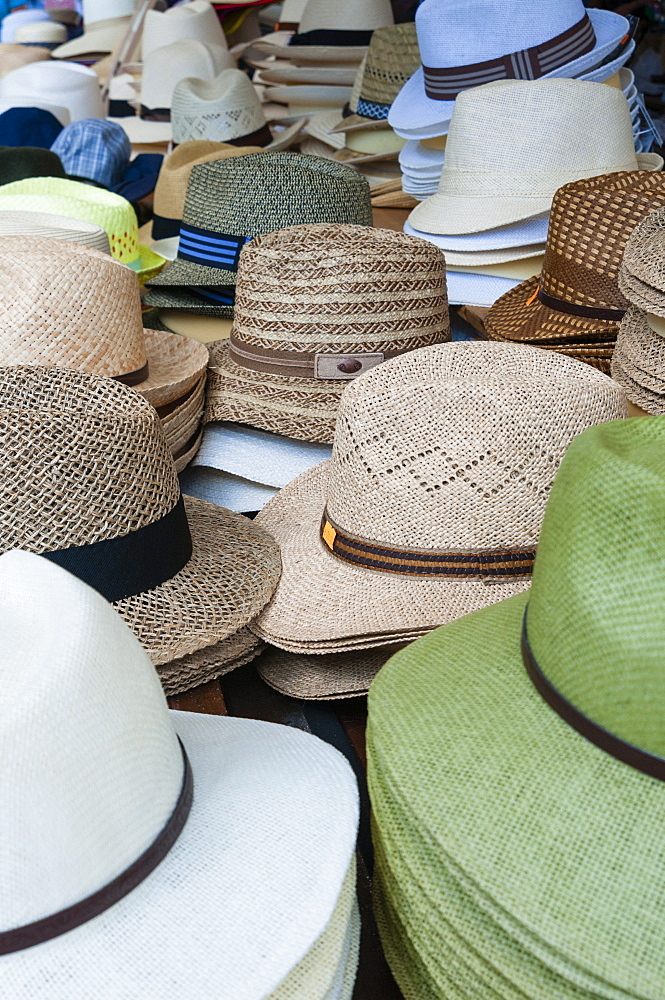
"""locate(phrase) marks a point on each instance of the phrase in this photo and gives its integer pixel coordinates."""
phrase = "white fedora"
(104, 25)
(513, 143)
(232, 835)
(196, 19)
(18, 18)
(334, 33)
(303, 100)
(481, 285)
(68, 85)
(466, 43)
(46, 34)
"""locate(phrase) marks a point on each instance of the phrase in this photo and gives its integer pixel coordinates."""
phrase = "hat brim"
(337, 54)
(175, 365)
(149, 264)
(225, 489)
(231, 575)
(330, 676)
(535, 777)
(281, 905)
(353, 156)
(495, 258)
(480, 290)
(185, 272)
(207, 330)
(308, 97)
(321, 127)
(184, 455)
(652, 403)
(340, 76)
(353, 122)
(320, 598)
(101, 40)
(506, 238)
(142, 132)
(301, 408)
(640, 293)
(209, 663)
(183, 301)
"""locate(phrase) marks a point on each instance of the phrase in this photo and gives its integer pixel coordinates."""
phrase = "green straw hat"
(75, 200)
(517, 857)
(230, 201)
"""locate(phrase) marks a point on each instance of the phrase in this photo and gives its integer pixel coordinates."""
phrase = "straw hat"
(454, 489)
(226, 204)
(467, 43)
(208, 664)
(28, 161)
(316, 306)
(335, 33)
(90, 204)
(576, 298)
(642, 275)
(638, 362)
(94, 149)
(534, 722)
(57, 227)
(205, 329)
(66, 85)
(523, 168)
(87, 705)
(68, 306)
(114, 490)
(17, 18)
(45, 34)
(327, 676)
(196, 20)
(105, 23)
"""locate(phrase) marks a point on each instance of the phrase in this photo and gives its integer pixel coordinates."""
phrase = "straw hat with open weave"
(315, 306)
(83, 459)
(331, 676)
(207, 664)
(56, 227)
(432, 502)
(590, 223)
(68, 306)
(638, 363)
(642, 275)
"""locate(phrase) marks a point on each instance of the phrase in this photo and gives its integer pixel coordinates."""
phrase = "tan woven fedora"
(210, 662)
(642, 274)
(317, 305)
(69, 306)
(87, 480)
(327, 676)
(432, 503)
(576, 297)
(513, 143)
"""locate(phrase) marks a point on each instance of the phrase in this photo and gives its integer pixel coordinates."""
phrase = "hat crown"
(94, 148)
(596, 618)
(91, 765)
(224, 108)
(41, 31)
(346, 15)
(454, 447)
(57, 227)
(392, 57)
(644, 255)
(51, 308)
(93, 425)
(106, 10)
(166, 65)
(256, 194)
(72, 85)
(196, 20)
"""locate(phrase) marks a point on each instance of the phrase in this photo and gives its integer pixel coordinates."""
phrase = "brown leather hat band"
(572, 309)
(414, 562)
(134, 378)
(325, 366)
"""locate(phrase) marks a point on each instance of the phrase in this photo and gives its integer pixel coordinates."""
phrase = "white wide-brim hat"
(196, 19)
(69, 85)
(100, 36)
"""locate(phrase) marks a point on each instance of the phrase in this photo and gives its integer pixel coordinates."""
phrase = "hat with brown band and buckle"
(316, 306)
(432, 502)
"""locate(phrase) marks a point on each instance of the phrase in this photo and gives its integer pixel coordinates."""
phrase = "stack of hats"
(233, 200)
(362, 133)
(501, 191)
(69, 306)
(574, 305)
(32, 27)
(516, 759)
(211, 857)
(638, 362)
(432, 503)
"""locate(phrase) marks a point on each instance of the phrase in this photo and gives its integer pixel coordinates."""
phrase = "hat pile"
(638, 362)
(515, 759)
(212, 857)
(432, 503)
(575, 306)
(493, 198)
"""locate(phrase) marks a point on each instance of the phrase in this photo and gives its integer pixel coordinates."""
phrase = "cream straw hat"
(67, 85)
(430, 507)
(104, 25)
(47, 34)
(235, 835)
(57, 227)
(11, 22)
(333, 33)
(485, 184)
(197, 19)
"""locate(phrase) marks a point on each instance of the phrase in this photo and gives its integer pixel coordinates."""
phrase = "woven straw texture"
(641, 294)
(392, 57)
(323, 677)
(184, 456)
(329, 289)
(69, 306)
(644, 257)
(179, 414)
(638, 363)
(176, 297)
(222, 109)
(113, 475)
(590, 223)
(56, 227)
(471, 429)
(257, 194)
(518, 885)
(208, 663)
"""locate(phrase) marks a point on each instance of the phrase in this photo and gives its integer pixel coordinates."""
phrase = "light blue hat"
(95, 150)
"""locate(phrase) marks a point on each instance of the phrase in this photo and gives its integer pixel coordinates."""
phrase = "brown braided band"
(416, 562)
(445, 83)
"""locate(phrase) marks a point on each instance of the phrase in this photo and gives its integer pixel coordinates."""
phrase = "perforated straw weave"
(317, 290)
(222, 109)
(84, 458)
(207, 664)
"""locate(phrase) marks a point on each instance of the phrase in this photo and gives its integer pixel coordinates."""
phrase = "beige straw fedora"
(208, 664)
(69, 306)
(323, 677)
(513, 143)
(56, 227)
(87, 480)
(432, 503)
(334, 33)
(316, 306)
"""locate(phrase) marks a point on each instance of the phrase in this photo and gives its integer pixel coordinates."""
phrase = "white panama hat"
(68, 85)
(335, 33)
(196, 19)
(18, 18)
(482, 285)
(47, 34)
(544, 133)
(465, 43)
(104, 25)
(233, 836)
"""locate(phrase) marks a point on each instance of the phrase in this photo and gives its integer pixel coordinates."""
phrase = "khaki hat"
(316, 306)
(335, 33)
(642, 274)
(638, 362)
(13, 56)
(86, 466)
(208, 664)
(544, 133)
(432, 503)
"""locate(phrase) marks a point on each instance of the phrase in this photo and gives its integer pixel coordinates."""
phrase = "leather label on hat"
(344, 366)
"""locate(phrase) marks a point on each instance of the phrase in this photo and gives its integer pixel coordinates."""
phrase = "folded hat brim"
(180, 299)
(149, 264)
(650, 402)
(184, 455)
(319, 597)
(488, 258)
(340, 76)
(536, 777)
(175, 365)
(209, 663)
(321, 127)
(480, 290)
(353, 122)
(328, 676)
(207, 330)
(103, 39)
(309, 96)
(353, 156)
(640, 293)
(508, 238)
(337, 54)
(233, 571)
(270, 899)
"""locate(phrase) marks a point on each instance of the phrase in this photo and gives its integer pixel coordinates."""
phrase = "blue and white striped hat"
(93, 149)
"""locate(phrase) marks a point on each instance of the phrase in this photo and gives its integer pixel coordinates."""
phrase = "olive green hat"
(517, 758)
